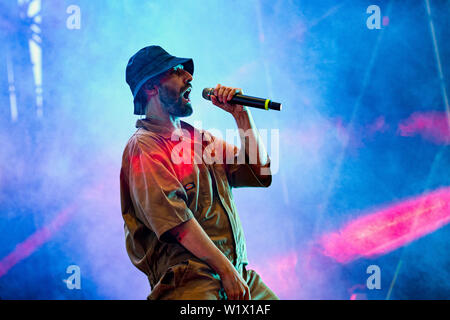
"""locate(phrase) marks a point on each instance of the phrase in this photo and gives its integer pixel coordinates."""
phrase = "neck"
(155, 111)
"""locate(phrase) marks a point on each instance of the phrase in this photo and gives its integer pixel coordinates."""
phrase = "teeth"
(187, 91)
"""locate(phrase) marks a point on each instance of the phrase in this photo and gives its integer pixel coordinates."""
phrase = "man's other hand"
(235, 287)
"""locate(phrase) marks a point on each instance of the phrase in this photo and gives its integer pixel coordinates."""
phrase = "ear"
(151, 91)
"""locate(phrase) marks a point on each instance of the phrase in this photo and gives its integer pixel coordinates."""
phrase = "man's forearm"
(192, 236)
(250, 138)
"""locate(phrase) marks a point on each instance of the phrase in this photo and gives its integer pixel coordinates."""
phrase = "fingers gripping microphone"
(246, 100)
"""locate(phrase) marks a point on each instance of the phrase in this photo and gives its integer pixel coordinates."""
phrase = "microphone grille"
(207, 93)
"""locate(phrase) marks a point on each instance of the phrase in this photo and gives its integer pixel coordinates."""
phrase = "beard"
(172, 102)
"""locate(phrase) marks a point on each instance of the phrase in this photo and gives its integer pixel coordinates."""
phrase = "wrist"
(223, 266)
(242, 118)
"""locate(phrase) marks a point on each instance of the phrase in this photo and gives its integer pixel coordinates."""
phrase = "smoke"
(431, 126)
(337, 162)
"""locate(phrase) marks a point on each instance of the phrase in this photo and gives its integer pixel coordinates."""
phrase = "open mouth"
(186, 93)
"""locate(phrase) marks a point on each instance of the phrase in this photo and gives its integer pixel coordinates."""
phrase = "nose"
(187, 77)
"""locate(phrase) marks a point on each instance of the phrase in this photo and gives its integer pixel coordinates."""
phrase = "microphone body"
(246, 100)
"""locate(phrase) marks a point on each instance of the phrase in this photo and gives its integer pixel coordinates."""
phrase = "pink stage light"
(388, 229)
(33, 242)
(279, 272)
(433, 126)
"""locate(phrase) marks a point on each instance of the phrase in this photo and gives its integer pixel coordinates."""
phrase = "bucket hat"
(150, 62)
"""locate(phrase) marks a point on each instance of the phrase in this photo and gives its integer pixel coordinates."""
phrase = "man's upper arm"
(158, 196)
(241, 173)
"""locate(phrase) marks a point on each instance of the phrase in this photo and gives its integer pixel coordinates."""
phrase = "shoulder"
(196, 133)
(144, 141)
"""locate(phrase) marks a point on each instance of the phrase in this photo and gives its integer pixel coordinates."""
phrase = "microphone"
(246, 100)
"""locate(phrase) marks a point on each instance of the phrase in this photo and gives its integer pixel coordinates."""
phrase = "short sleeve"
(158, 196)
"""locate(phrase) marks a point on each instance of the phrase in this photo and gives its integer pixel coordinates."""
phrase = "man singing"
(181, 224)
